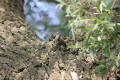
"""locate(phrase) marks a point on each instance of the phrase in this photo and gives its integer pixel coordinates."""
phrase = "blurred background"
(45, 18)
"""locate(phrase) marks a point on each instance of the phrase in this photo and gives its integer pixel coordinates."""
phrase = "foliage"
(97, 18)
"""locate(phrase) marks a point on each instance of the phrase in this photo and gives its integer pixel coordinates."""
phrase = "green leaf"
(102, 5)
(61, 1)
(101, 69)
(95, 27)
(107, 52)
(71, 46)
(86, 28)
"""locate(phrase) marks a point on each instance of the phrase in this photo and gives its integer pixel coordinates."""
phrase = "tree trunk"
(23, 56)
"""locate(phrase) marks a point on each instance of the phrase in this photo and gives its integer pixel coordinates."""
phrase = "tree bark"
(23, 56)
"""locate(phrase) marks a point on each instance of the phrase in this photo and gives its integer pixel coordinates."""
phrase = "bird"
(59, 40)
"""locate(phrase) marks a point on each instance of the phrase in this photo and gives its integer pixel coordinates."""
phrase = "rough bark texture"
(23, 56)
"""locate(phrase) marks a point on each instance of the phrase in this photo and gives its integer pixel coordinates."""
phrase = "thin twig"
(114, 2)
